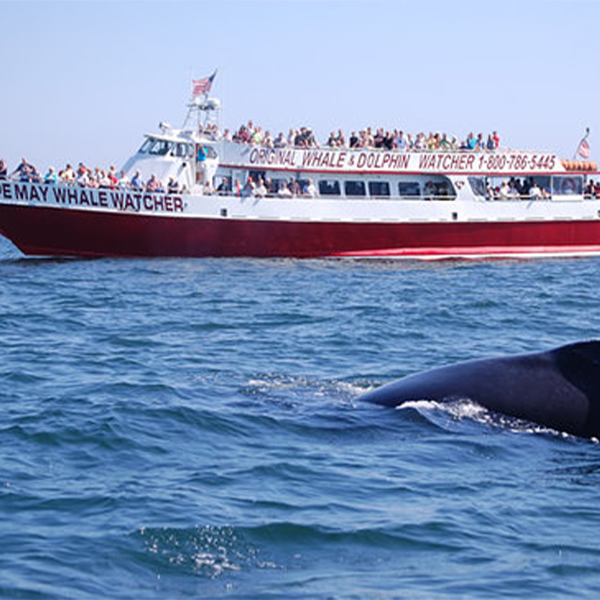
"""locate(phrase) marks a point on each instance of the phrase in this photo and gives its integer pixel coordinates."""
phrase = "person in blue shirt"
(136, 181)
(51, 177)
(202, 154)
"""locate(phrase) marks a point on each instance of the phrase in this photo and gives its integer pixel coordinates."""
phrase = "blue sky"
(85, 80)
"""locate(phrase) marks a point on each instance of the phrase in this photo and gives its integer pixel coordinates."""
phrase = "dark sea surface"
(191, 429)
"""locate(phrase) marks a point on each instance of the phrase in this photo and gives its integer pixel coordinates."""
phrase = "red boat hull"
(66, 232)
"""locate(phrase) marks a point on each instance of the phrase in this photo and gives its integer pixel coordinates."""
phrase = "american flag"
(202, 86)
(584, 149)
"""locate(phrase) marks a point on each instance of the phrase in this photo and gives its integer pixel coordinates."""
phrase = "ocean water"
(191, 429)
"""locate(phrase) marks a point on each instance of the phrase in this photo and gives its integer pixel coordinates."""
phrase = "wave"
(463, 411)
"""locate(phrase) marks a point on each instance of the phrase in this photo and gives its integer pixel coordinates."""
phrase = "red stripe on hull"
(66, 232)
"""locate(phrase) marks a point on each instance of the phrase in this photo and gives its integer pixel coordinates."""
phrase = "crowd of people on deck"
(89, 178)
(379, 138)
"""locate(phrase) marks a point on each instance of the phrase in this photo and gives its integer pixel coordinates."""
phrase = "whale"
(558, 388)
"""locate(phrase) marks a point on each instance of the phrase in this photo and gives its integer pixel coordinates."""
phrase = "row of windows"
(381, 189)
(435, 188)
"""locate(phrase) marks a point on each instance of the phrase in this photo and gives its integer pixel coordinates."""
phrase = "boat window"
(567, 185)
(209, 151)
(329, 187)
(355, 188)
(159, 147)
(146, 146)
(438, 190)
(256, 175)
(477, 185)
(379, 189)
(409, 190)
(180, 149)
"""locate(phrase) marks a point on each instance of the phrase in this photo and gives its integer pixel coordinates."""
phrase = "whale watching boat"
(232, 199)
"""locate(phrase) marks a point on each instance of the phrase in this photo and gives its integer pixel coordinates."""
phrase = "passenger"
(257, 137)
(332, 140)
(445, 143)
(137, 182)
(112, 176)
(93, 179)
(341, 140)
(388, 141)
(67, 175)
(83, 177)
(535, 193)
(3, 169)
(224, 187)
(248, 190)
(241, 136)
(480, 143)
(124, 182)
(172, 186)
(202, 154)
(238, 188)
(261, 189)
(280, 141)
(291, 138)
(24, 166)
(104, 180)
(504, 191)
(496, 139)
(294, 187)
(433, 142)
(420, 143)
(400, 141)
(300, 139)
(490, 145)
(271, 187)
(268, 140)
(310, 190)
(51, 178)
(284, 191)
(25, 174)
(354, 140)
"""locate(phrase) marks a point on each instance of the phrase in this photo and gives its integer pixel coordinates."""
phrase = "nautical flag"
(584, 148)
(202, 86)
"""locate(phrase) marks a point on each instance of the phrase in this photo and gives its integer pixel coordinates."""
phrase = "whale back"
(559, 389)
